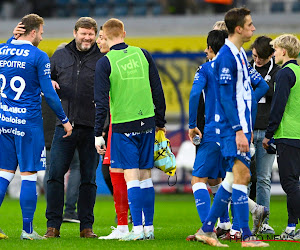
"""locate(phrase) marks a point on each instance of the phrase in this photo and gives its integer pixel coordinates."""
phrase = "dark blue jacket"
(75, 77)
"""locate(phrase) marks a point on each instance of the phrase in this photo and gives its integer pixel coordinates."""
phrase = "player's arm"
(227, 71)
(157, 92)
(52, 99)
(101, 97)
(199, 83)
(259, 84)
(17, 32)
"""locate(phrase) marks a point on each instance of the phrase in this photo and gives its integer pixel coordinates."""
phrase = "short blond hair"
(289, 42)
(220, 25)
(113, 28)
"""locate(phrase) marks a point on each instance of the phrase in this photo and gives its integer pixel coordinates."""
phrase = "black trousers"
(288, 158)
(62, 152)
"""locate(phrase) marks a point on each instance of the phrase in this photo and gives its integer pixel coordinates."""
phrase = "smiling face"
(102, 43)
(84, 38)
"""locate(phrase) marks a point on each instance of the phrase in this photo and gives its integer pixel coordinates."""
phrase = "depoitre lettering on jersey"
(22, 66)
(205, 81)
(231, 68)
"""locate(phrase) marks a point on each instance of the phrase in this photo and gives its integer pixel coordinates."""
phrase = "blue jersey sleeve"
(258, 83)
(199, 83)
(227, 77)
(44, 76)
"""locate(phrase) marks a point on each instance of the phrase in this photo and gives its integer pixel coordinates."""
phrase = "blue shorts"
(230, 152)
(133, 150)
(209, 161)
(23, 146)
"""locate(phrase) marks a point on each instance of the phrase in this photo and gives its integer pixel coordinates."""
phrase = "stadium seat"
(157, 10)
(277, 7)
(296, 7)
(101, 11)
(102, 2)
(139, 10)
(62, 12)
(139, 2)
(121, 10)
(62, 2)
(82, 12)
(83, 1)
(120, 2)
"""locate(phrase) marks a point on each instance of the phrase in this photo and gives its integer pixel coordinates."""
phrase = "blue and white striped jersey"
(24, 74)
(235, 96)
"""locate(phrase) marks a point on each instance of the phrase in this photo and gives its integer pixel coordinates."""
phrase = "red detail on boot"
(120, 197)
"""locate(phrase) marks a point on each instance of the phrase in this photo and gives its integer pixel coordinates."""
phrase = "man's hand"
(19, 30)
(163, 129)
(193, 132)
(55, 85)
(68, 128)
(265, 143)
(241, 142)
(100, 145)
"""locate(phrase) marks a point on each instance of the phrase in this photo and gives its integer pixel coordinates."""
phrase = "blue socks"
(5, 179)
(28, 200)
(241, 208)
(135, 200)
(148, 194)
(235, 223)
(202, 200)
(222, 198)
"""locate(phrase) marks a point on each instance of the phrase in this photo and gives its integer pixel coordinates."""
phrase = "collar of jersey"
(20, 42)
(232, 47)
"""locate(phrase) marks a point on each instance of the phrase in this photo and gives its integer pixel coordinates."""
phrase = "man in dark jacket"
(73, 70)
(262, 162)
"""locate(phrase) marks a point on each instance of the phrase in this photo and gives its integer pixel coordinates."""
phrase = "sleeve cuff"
(65, 120)
(269, 135)
(237, 128)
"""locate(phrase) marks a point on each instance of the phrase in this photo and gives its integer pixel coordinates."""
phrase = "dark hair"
(236, 17)
(216, 39)
(32, 22)
(263, 47)
(86, 23)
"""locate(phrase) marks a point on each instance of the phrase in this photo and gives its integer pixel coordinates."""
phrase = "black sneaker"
(73, 218)
(220, 232)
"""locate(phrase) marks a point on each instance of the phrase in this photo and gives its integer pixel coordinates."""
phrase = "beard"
(81, 47)
(36, 42)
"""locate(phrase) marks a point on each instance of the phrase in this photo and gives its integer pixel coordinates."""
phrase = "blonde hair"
(220, 25)
(288, 42)
(113, 28)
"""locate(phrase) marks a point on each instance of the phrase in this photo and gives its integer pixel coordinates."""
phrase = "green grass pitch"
(175, 218)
